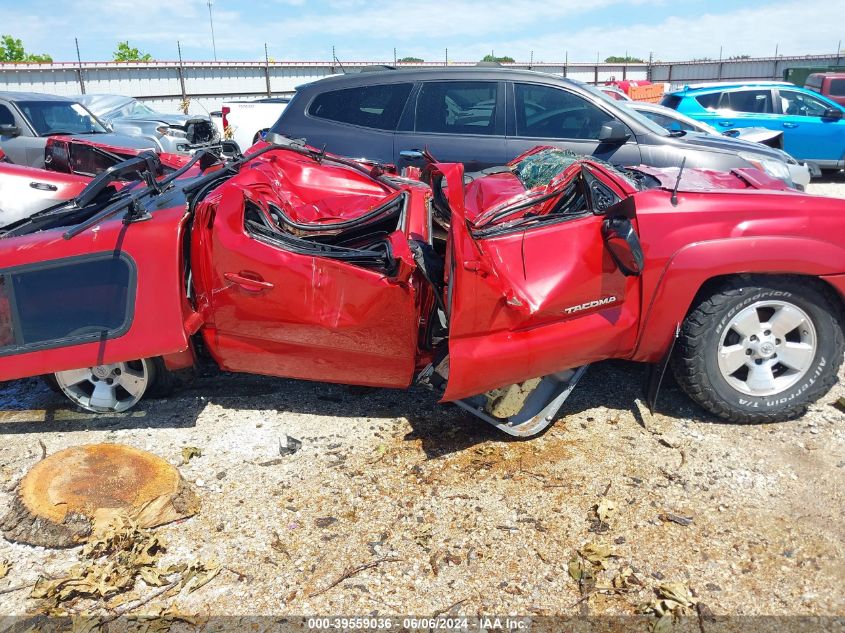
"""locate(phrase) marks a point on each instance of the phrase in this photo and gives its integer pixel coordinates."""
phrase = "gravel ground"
(477, 523)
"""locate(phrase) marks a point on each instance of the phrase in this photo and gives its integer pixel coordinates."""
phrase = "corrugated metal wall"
(679, 73)
(208, 84)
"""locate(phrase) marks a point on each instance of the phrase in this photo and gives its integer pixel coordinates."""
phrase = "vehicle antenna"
(678, 183)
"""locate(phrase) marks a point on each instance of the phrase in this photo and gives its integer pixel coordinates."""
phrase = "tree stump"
(67, 496)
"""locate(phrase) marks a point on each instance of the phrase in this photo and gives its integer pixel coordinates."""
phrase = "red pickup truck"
(831, 85)
(495, 289)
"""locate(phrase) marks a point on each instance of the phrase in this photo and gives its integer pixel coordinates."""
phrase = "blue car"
(813, 126)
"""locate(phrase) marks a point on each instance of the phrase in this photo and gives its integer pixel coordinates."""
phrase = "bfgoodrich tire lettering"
(709, 330)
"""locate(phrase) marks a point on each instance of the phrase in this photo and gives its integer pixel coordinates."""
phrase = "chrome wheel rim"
(766, 348)
(106, 388)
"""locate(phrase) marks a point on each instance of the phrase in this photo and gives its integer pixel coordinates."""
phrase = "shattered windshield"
(537, 170)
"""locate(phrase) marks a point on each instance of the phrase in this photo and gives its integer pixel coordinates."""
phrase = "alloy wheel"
(107, 388)
(766, 348)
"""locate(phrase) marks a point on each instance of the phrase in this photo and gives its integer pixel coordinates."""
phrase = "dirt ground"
(455, 517)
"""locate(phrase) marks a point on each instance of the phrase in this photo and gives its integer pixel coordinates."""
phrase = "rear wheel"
(761, 350)
(110, 388)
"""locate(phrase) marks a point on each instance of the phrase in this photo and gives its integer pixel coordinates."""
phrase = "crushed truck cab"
(494, 289)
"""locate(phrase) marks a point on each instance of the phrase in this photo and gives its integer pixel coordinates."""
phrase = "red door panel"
(281, 313)
(113, 293)
(533, 302)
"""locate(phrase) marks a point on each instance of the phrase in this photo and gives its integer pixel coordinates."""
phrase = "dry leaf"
(626, 580)
(676, 592)
(199, 574)
(596, 554)
(605, 509)
(577, 571)
(840, 404)
(5, 566)
(189, 452)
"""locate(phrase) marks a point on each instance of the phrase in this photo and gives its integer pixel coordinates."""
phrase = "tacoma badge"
(591, 304)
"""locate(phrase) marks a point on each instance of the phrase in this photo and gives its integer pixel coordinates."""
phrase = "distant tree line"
(12, 50)
(627, 59)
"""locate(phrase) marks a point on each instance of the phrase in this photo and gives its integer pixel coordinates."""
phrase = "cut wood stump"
(68, 496)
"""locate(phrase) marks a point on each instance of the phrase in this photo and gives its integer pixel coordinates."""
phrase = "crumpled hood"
(709, 179)
(180, 120)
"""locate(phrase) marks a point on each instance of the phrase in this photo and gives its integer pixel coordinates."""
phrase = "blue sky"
(366, 30)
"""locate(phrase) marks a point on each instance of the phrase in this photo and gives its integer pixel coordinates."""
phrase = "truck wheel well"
(715, 284)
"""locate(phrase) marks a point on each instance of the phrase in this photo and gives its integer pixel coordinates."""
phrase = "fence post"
(566, 64)
(181, 71)
(775, 69)
(267, 70)
(79, 70)
(648, 72)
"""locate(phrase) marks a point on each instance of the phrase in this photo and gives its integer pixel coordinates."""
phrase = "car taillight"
(226, 111)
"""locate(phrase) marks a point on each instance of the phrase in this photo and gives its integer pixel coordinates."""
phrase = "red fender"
(691, 266)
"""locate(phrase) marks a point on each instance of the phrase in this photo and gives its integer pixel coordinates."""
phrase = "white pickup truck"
(248, 120)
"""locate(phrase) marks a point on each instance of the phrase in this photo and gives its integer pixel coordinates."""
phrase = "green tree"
(410, 60)
(12, 50)
(126, 53)
(500, 60)
(628, 59)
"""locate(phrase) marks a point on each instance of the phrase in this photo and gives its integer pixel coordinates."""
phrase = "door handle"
(43, 186)
(248, 283)
(726, 123)
(790, 125)
(411, 154)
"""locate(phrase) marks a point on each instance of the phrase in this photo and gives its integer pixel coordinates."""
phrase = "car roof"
(834, 75)
(421, 74)
(102, 103)
(724, 85)
(13, 96)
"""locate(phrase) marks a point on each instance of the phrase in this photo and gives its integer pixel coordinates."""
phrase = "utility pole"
(79, 72)
(267, 70)
(211, 22)
(181, 71)
(775, 70)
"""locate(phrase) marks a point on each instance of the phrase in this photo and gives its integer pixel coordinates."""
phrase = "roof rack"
(738, 82)
(377, 68)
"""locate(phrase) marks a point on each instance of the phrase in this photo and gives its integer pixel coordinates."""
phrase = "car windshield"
(645, 121)
(60, 117)
(135, 109)
(666, 118)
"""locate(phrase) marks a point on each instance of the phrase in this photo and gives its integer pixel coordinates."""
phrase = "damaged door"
(536, 285)
(108, 295)
(328, 299)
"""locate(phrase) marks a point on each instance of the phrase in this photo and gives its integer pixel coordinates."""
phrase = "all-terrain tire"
(696, 366)
(164, 381)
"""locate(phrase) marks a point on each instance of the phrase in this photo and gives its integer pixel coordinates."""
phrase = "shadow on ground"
(29, 406)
